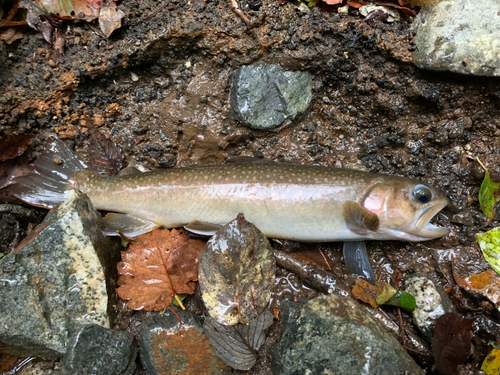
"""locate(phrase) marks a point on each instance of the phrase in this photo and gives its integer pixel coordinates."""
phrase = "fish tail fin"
(46, 185)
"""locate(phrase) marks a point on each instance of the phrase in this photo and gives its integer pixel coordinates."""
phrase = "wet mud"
(159, 87)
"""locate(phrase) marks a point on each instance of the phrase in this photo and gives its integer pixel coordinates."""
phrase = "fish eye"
(422, 194)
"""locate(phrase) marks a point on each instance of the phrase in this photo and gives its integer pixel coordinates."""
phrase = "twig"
(159, 9)
(401, 327)
(6, 22)
(325, 258)
(239, 12)
(178, 317)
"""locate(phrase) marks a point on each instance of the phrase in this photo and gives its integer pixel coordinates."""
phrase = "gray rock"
(334, 334)
(459, 36)
(431, 299)
(98, 350)
(265, 97)
(55, 281)
(168, 347)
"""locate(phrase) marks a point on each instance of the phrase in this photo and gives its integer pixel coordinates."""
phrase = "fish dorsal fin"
(130, 226)
(359, 219)
(203, 228)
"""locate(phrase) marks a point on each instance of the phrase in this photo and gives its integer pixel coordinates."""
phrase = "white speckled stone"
(55, 281)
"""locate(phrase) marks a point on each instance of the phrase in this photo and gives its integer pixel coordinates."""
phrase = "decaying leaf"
(110, 18)
(488, 284)
(382, 294)
(237, 345)
(333, 2)
(105, 157)
(12, 145)
(451, 342)
(155, 267)
(490, 246)
(489, 194)
(491, 364)
(11, 34)
(237, 273)
(69, 9)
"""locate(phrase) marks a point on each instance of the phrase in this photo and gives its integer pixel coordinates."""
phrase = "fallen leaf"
(490, 246)
(488, 284)
(489, 194)
(403, 9)
(491, 364)
(160, 264)
(382, 294)
(451, 342)
(237, 273)
(11, 34)
(35, 21)
(70, 9)
(354, 4)
(110, 18)
(237, 345)
(105, 157)
(12, 146)
(57, 51)
(333, 2)
(7, 362)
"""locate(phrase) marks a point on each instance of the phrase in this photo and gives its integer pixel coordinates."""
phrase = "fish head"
(405, 209)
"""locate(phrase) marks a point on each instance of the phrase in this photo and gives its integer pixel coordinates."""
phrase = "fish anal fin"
(202, 228)
(130, 226)
(359, 219)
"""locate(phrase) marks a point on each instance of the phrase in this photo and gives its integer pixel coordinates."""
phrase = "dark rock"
(171, 347)
(335, 334)
(265, 97)
(432, 302)
(56, 280)
(445, 32)
(15, 222)
(97, 350)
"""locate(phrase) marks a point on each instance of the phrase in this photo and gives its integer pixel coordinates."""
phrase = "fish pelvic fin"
(359, 219)
(45, 186)
(130, 226)
(202, 228)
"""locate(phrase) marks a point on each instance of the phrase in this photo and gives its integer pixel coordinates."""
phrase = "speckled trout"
(287, 201)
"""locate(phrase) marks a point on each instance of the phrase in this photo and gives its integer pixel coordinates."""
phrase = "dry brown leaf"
(11, 34)
(152, 265)
(110, 18)
(366, 292)
(488, 284)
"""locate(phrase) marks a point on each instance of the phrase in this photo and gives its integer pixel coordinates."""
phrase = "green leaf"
(182, 297)
(489, 194)
(1, 255)
(404, 300)
(490, 246)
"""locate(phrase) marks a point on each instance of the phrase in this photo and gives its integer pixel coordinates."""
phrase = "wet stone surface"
(432, 302)
(335, 334)
(55, 281)
(265, 97)
(459, 36)
(170, 347)
(97, 350)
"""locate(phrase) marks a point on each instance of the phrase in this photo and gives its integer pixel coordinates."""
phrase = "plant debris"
(491, 364)
(237, 345)
(486, 283)
(105, 157)
(489, 194)
(490, 246)
(382, 294)
(237, 273)
(451, 342)
(12, 146)
(157, 267)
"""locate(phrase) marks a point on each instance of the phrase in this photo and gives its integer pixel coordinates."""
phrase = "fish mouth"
(423, 227)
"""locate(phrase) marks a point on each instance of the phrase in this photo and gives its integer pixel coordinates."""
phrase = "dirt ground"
(159, 88)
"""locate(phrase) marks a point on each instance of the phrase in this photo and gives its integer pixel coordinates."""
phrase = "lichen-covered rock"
(459, 36)
(334, 334)
(98, 350)
(169, 347)
(55, 281)
(432, 302)
(265, 97)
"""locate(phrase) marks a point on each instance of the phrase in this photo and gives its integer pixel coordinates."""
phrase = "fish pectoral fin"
(359, 219)
(203, 228)
(130, 226)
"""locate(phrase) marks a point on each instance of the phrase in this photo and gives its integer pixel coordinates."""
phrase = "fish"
(285, 201)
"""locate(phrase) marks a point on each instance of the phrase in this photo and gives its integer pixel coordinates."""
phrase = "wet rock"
(169, 347)
(55, 281)
(15, 222)
(97, 350)
(432, 302)
(335, 335)
(459, 36)
(265, 97)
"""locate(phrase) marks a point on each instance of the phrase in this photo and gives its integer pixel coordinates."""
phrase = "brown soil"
(160, 89)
